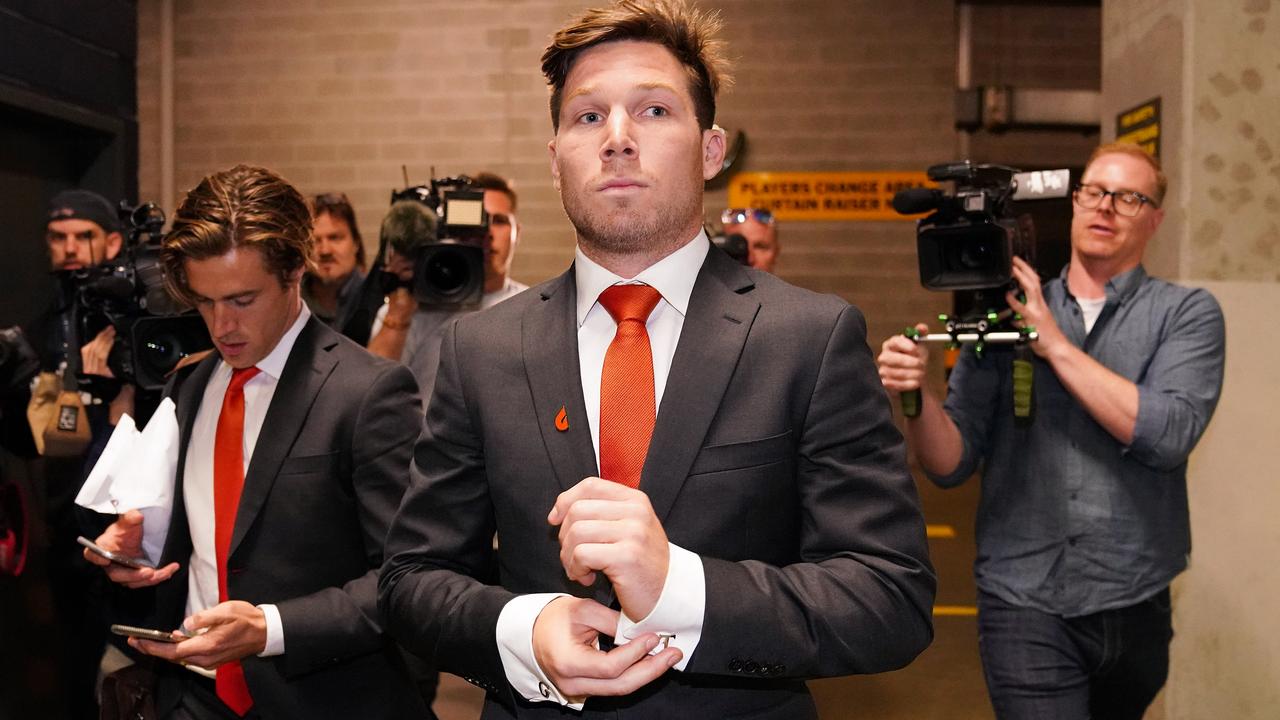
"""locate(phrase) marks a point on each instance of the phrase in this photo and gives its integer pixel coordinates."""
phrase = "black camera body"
(734, 245)
(970, 238)
(154, 331)
(449, 270)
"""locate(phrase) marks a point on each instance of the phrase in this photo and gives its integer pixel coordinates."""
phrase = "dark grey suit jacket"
(326, 476)
(774, 458)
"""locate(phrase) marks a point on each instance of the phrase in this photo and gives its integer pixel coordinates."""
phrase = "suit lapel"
(719, 318)
(549, 340)
(305, 372)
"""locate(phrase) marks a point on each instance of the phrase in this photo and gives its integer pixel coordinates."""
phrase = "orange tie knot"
(240, 376)
(630, 302)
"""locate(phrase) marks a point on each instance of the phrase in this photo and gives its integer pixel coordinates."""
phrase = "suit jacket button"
(751, 666)
(546, 691)
(735, 665)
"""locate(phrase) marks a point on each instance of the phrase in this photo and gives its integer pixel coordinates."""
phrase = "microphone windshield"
(408, 226)
(917, 200)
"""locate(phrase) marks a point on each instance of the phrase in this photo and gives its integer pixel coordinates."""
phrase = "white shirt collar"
(273, 363)
(673, 276)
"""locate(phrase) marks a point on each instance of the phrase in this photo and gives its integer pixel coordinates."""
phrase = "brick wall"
(338, 94)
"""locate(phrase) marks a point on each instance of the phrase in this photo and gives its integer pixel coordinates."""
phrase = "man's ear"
(114, 242)
(713, 148)
(1156, 219)
(555, 169)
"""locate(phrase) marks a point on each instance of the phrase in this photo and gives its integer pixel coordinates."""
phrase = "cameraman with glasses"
(1083, 519)
(760, 229)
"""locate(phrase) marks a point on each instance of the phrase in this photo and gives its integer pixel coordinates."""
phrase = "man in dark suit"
(294, 443)
(698, 494)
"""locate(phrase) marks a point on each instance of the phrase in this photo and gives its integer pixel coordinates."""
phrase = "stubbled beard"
(627, 230)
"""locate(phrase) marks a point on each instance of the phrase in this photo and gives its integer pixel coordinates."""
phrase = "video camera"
(448, 270)
(734, 245)
(968, 242)
(972, 234)
(447, 244)
(154, 331)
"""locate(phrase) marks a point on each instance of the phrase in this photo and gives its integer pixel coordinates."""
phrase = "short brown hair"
(337, 205)
(493, 181)
(1136, 151)
(245, 206)
(685, 31)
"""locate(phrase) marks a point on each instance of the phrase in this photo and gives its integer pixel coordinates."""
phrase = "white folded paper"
(136, 472)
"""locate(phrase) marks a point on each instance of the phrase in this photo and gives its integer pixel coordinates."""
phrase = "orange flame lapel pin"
(562, 420)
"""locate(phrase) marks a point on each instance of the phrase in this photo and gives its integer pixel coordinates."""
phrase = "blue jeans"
(1040, 666)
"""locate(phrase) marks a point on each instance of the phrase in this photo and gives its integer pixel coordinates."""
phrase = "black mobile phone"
(145, 634)
(114, 557)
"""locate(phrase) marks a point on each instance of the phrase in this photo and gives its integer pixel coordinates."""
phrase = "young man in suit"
(293, 448)
(699, 496)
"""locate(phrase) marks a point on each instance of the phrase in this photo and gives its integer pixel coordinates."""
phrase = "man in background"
(83, 231)
(410, 332)
(331, 287)
(1083, 520)
(760, 229)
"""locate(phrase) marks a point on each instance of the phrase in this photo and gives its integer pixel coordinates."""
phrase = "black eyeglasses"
(1126, 202)
(737, 216)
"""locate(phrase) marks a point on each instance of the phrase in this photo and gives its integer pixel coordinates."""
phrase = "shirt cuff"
(275, 631)
(515, 648)
(680, 610)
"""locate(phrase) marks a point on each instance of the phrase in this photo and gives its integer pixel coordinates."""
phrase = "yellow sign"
(1141, 126)
(824, 195)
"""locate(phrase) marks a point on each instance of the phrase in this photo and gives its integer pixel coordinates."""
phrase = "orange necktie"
(627, 408)
(228, 480)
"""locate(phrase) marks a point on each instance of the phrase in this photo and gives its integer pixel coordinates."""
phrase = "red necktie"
(627, 408)
(228, 480)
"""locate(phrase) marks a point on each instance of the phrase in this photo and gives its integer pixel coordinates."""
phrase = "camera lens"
(159, 343)
(447, 272)
(160, 353)
(975, 256)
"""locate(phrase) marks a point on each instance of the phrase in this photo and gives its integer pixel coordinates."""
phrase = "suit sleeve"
(442, 541)
(860, 599)
(338, 623)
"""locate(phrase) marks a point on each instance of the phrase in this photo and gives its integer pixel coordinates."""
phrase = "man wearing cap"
(82, 231)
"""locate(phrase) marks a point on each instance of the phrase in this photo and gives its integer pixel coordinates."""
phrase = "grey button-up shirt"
(1070, 520)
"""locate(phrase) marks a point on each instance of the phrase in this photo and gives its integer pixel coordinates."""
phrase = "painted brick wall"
(338, 94)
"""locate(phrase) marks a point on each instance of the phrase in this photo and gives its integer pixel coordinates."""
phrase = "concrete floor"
(944, 682)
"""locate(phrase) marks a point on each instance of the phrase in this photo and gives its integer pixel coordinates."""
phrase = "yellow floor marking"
(939, 531)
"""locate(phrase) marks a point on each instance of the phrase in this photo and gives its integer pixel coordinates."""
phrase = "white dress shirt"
(682, 604)
(197, 486)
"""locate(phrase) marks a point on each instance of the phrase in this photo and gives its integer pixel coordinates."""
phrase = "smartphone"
(145, 634)
(114, 557)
